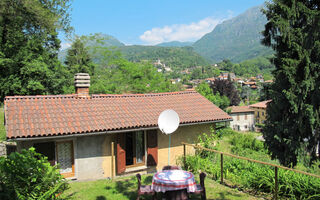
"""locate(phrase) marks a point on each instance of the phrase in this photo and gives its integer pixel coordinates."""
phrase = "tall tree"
(293, 119)
(78, 59)
(226, 88)
(221, 101)
(29, 46)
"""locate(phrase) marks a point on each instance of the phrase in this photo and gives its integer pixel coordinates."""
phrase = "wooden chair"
(144, 189)
(169, 167)
(200, 187)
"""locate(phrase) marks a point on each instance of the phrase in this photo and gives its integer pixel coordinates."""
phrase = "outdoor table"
(174, 183)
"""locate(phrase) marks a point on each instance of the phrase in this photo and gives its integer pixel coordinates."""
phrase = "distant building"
(243, 118)
(175, 81)
(250, 84)
(210, 80)
(260, 111)
(225, 75)
(269, 81)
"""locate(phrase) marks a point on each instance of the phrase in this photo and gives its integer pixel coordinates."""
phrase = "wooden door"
(152, 148)
(121, 153)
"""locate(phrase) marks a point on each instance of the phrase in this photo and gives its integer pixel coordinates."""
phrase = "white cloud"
(180, 32)
(65, 45)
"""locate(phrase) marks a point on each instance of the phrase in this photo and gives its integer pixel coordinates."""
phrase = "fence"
(248, 159)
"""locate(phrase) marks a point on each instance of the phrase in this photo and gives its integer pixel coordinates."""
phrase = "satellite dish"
(168, 121)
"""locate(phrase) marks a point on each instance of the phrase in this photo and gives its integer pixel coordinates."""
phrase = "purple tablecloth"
(170, 180)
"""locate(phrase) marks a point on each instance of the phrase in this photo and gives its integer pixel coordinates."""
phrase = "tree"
(78, 59)
(226, 88)
(29, 46)
(221, 101)
(29, 175)
(293, 115)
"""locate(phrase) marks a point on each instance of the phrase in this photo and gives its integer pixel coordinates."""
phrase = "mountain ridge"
(236, 39)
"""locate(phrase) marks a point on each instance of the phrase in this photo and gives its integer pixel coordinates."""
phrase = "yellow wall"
(93, 153)
(187, 134)
(107, 158)
(260, 115)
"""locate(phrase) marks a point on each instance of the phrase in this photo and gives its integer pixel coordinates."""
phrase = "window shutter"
(121, 153)
(152, 148)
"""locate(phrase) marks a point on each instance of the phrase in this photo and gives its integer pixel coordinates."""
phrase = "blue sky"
(150, 22)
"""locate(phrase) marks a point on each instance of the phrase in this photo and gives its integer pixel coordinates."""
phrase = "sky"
(150, 22)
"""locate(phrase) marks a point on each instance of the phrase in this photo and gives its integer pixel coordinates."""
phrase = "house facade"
(260, 111)
(243, 118)
(100, 136)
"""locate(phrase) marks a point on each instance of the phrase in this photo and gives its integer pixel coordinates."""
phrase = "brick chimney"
(82, 84)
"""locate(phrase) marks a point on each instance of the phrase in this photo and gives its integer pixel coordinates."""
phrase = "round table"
(178, 181)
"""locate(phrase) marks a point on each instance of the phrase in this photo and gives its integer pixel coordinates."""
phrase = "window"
(58, 153)
(262, 113)
(135, 148)
(258, 115)
(65, 158)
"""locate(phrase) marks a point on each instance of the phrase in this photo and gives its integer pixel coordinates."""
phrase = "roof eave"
(110, 132)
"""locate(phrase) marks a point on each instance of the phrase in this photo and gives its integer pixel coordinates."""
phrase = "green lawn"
(126, 188)
(2, 129)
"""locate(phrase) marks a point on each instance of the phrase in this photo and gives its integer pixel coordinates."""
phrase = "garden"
(249, 176)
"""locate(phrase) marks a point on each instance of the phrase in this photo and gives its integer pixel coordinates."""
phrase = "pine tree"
(293, 119)
(78, 59)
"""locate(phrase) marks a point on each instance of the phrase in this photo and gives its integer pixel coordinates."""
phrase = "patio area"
(126, 188)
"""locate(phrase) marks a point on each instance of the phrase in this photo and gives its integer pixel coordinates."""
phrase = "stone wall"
(7, 147)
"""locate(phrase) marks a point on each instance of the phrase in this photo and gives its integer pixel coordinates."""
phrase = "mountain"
(237, 39)
(174, 57)
(101, 39)
(97, 39)
(175, 44)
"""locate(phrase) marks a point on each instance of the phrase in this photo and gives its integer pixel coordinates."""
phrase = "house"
(260, 111)
(269, 81)
(225, 75)
(98, 136)
(243, 118)
(210, 80)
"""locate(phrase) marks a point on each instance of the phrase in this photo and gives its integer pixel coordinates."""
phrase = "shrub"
(246, 141)
(226, 132)
(29, 175)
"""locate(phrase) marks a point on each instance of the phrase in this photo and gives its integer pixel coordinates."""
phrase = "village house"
(210, 80)
(98, 136)
(225, 75)
(260, 111)
(243, 118)
(252, 84)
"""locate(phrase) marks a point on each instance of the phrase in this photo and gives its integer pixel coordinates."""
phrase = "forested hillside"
(237, 39)
(175, 57)
(175, 44)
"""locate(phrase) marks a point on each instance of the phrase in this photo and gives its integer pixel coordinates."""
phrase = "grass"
(2, 129)
(126, 188)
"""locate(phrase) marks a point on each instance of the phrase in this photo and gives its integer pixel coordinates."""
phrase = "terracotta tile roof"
(32, 116)
(249, 83)
(269, 81)
(262, 104)
(240, 109)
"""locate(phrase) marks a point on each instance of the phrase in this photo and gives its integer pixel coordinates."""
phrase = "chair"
(169, 167)
(200, 187)
(144, 189)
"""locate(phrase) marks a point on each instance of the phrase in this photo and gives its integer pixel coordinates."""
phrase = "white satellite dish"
(168, 121)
